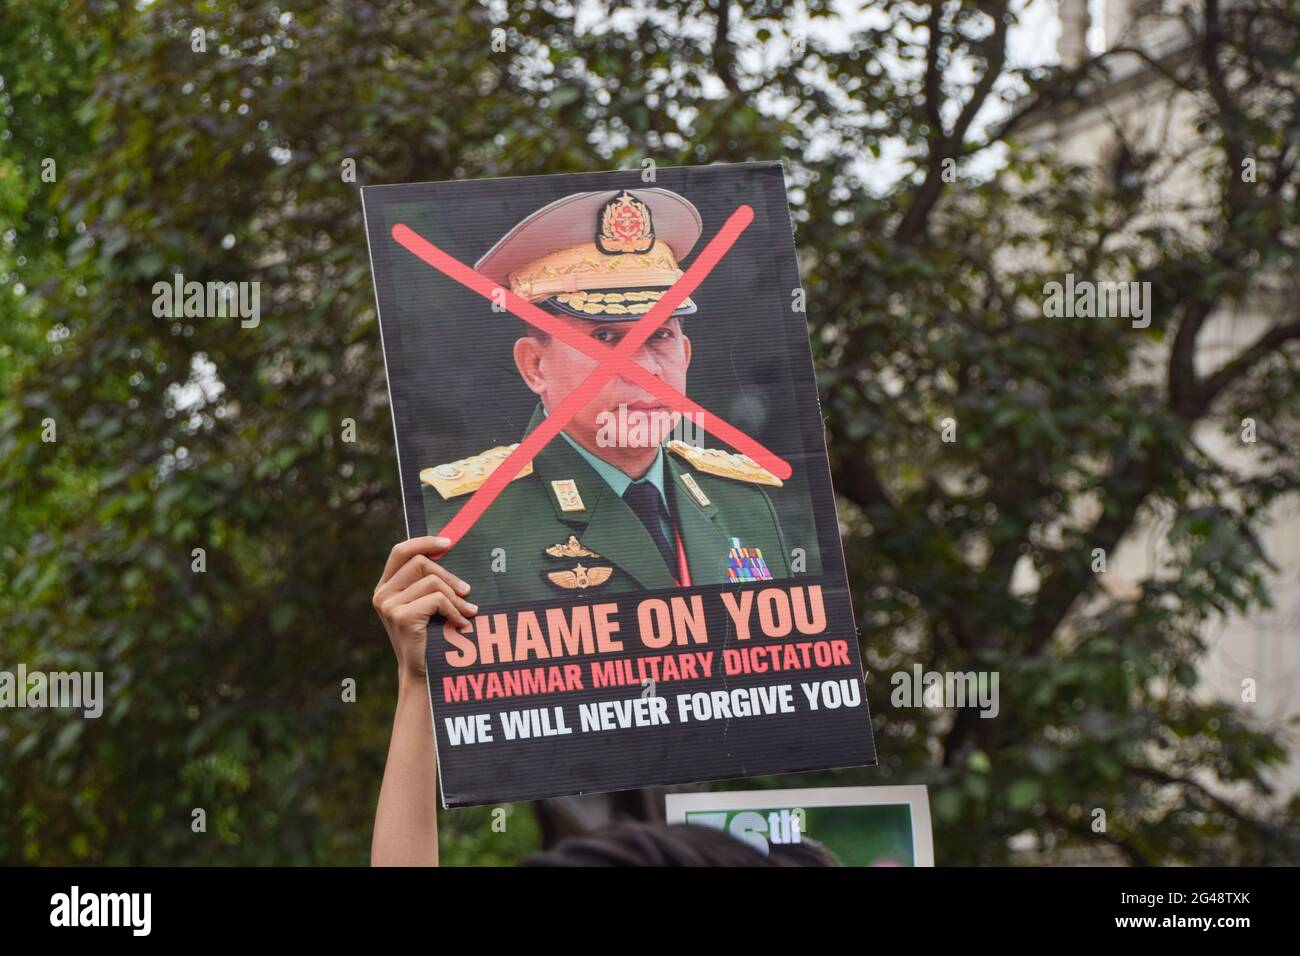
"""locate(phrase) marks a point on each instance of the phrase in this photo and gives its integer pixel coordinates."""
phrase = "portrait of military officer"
(603, 508)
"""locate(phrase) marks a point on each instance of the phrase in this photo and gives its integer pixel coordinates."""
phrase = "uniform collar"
(614, 477)
(600, 518)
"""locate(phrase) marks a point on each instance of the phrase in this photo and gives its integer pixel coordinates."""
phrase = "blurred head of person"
(657, 844)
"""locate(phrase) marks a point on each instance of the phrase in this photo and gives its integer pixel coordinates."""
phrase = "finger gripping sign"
(601, 395)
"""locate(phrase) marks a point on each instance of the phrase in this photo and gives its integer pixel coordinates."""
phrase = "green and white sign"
(858, 826)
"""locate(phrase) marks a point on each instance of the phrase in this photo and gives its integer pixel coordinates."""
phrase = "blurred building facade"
(1139, 107)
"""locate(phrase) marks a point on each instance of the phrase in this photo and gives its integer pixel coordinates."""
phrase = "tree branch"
(948, 145)
(858, 480)
(724, 54)
(1212, 386)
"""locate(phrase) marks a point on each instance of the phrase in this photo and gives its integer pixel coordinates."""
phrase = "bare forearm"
(406, 822)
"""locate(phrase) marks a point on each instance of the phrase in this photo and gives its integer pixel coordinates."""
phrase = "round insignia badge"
(624, 226)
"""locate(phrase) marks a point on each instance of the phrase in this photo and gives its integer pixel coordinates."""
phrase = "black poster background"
(455, 392)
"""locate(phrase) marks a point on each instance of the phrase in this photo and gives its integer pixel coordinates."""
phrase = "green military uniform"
(715, 514)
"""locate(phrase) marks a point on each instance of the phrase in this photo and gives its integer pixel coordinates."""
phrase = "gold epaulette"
(714, 461)
(466, 475)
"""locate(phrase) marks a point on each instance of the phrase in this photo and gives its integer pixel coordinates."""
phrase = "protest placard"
(602, 392)
(853, 826)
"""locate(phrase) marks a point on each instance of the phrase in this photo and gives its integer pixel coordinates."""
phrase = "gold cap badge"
(625, 226)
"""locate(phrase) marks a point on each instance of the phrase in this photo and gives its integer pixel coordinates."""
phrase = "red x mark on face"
(618, 360)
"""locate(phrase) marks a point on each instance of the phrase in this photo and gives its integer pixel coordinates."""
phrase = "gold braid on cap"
(583, 268)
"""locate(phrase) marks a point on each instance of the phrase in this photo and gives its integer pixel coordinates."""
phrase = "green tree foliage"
(225, 686)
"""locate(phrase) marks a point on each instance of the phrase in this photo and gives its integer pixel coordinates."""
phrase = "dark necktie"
(644, 499)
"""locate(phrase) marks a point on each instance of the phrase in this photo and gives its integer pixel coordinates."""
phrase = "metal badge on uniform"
(696, 491)
(566, 493)
(746, 564)
(580, 577)
(573, 548)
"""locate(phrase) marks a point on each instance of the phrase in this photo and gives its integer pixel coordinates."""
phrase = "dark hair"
(656, 844)
(807, 852)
